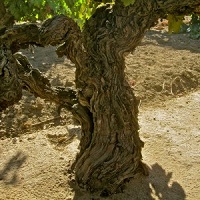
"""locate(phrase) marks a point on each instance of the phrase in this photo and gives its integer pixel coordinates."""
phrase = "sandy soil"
(37, 146)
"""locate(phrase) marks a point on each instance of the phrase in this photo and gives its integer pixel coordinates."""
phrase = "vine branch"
(17, 72)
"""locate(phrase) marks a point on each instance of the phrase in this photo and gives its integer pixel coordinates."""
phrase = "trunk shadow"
(9, 172)
(158, 185)
(176, 41)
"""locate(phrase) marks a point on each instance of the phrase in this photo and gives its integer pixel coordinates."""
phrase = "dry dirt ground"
(37, 146)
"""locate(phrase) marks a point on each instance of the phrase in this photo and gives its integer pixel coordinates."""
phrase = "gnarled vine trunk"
(104, 103)
(114, 150)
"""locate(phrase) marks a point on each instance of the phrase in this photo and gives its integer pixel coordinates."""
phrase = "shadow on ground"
(173, 40)
(9, 173)
(158, 185)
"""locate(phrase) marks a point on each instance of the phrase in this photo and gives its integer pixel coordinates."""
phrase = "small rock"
(14, 141)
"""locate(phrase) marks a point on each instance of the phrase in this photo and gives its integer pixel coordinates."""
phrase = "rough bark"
(16, 71)
(106, 107)
(10, 87)
(37, 84)
(114, 151)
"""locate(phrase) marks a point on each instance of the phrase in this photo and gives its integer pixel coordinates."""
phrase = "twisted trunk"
(104, 104)
(114, 151)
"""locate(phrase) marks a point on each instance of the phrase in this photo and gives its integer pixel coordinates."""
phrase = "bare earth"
(37, 146)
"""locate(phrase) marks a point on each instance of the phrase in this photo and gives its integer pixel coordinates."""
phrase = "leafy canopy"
(128, 2)
(81, 10)
(33, 10)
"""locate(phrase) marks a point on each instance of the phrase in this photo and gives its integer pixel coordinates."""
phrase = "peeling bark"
(16, 71)
(37, 84)
(114, 153)
(10, 87)
(104, 103)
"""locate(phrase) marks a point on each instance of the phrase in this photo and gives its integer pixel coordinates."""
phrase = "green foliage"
(174, 23)
(32, 10)
(128, 2)
(81, 10)
(194, 27)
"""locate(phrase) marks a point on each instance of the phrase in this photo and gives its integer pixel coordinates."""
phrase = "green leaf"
(128, 2)
(174, 23)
